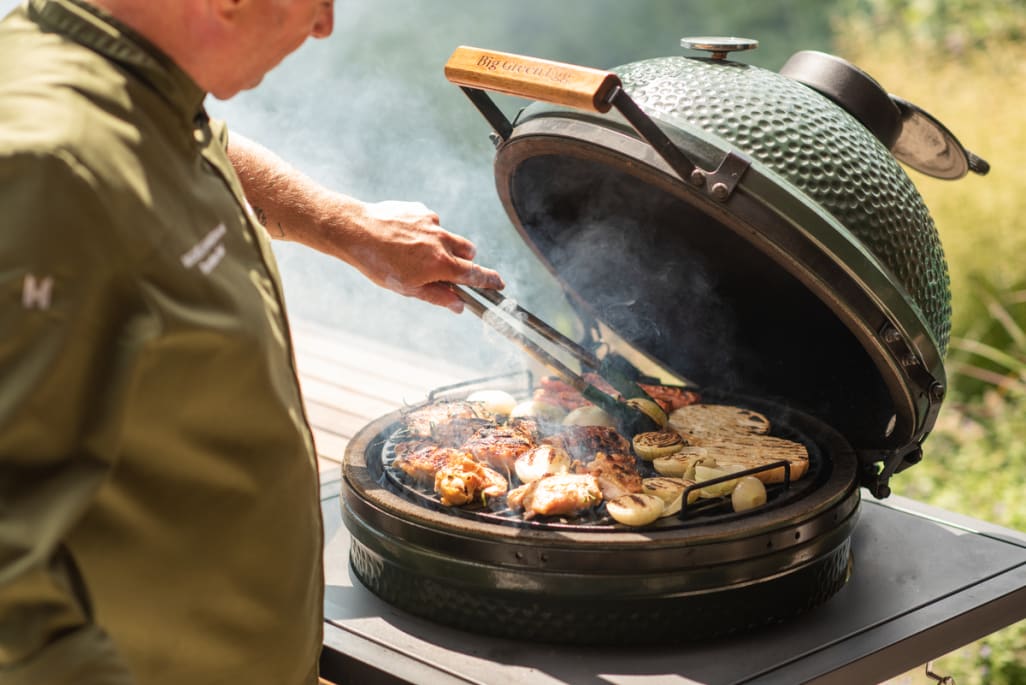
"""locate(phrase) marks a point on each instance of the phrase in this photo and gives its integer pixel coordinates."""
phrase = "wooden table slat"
(390, 362)
(348, 400)
(329, 446)
(347, 381)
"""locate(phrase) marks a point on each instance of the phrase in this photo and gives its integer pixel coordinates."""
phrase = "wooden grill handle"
(537, 79)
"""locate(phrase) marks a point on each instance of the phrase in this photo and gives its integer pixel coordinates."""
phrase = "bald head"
(225, 45)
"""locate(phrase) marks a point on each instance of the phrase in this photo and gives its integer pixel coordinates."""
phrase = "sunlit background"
(369, 113)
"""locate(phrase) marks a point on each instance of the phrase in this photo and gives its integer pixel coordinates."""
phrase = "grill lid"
(735, 226)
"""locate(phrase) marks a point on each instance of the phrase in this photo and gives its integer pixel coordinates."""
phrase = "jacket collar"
(103, 34)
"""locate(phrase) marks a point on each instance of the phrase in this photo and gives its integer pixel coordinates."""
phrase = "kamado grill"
(750, 231)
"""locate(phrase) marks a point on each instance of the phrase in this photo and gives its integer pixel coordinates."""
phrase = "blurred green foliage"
(965, 61)
(976, 465)
(990, 354)
(940, 26)
(977, 93)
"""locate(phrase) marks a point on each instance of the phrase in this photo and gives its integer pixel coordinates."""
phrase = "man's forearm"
(289, 204)
(397, 245)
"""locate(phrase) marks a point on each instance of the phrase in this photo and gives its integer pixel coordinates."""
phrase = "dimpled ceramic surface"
(819, 148)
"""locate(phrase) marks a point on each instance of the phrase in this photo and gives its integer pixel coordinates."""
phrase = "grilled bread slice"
(740, 452)
(697, 420)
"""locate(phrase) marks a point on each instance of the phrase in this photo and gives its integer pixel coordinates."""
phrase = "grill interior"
(693, 292)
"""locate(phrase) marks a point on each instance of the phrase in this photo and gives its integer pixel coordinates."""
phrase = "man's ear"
(228, 10)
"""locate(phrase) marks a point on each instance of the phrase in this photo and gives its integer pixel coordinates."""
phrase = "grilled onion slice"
(589, 415)
(682, 464)
(656, 444)
(497, 402)
(635, 509)
(649, 408)
(748, 494)
(670, 491)
(540, 410)
(703, 473)
(666, 489)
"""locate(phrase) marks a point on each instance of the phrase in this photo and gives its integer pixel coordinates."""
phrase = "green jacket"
(159, 510)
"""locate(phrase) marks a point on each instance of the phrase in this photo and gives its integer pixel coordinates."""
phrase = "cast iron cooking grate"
(703, 512)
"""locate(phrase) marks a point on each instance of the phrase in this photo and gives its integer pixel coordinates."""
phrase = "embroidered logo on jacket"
(36, 292)
(207, 253)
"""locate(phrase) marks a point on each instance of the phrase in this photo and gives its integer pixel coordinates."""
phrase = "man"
(159, 518)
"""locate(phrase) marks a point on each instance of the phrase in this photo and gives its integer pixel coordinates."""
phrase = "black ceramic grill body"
(820, 281)
(573, 583)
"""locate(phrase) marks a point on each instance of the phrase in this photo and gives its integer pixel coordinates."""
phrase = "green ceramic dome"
(820, 149)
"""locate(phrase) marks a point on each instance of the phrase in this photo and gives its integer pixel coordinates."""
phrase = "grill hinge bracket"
(876, 478)
(719, 184)
(501, 125)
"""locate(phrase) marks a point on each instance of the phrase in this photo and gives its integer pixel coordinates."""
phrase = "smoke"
(369, 113)
(648, 264)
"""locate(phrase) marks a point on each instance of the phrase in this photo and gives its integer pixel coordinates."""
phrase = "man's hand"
(397, 245)
(402, 247)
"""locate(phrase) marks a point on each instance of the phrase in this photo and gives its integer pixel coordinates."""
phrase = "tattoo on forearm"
(261, 215)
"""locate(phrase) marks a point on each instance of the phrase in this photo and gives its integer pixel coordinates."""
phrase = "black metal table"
(925, 582)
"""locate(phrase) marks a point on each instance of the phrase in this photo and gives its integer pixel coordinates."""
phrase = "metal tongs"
(514, 322)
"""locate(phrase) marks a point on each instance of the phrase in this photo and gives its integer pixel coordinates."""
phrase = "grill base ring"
(605, 619)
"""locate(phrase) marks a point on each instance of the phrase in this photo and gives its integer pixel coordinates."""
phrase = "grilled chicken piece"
(421, 460)
(617, 474)
(456, 432)
(584, 442)
(541, 461)
(463, 480)
(552, 390)
(428, 421)
(515, 498)
(525, 424)
(558, 392)
(565, 495)
(499, 446)
(671, 397)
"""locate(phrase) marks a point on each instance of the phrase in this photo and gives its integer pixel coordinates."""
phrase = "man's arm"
(397, 245)
(57, 438)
